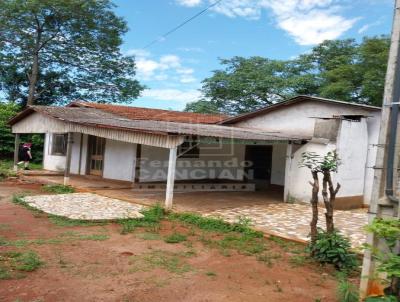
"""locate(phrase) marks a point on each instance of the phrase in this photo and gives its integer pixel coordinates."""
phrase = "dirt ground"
(141, 266)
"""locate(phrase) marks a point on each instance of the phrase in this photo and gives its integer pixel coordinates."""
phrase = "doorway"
(96, 146)
(260, 158)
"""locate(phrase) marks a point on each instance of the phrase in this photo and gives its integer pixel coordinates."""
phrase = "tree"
(341, 69)
(202, 106)
(7, 111)
(64, 49)
(325, 165)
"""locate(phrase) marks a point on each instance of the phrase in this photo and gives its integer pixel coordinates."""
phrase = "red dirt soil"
(85, 270)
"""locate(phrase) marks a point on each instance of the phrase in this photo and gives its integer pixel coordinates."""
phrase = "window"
(189, 148)
(58, 144)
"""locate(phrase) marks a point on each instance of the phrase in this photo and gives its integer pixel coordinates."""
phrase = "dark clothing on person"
(24, 156)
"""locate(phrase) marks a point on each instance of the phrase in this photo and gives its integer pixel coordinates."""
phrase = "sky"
(172, 68)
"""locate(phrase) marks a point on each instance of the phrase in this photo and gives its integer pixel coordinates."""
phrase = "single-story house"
(163, 149)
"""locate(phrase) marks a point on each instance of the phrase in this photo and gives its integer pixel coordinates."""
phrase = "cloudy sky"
(173, 68)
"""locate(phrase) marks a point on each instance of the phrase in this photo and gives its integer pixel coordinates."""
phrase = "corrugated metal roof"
(138, 113)
(98, 118)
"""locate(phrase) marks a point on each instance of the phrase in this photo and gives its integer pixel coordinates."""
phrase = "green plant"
(334, 249)
(12, 263)
(58, 189)
(175, 238)
(388, 259)
(347, 291)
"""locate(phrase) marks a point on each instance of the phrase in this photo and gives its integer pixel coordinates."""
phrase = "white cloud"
(189, 3)
(172, 95)
(161, 69)
(308, 22)
(365, 27)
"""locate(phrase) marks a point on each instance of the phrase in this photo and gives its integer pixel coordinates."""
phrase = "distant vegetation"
(340, 69)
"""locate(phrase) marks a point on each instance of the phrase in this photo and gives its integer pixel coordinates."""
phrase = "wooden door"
(96, 155)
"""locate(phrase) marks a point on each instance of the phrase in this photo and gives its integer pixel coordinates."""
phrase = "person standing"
(25, 155)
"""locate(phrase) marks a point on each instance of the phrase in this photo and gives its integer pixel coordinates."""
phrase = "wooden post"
(68, 159)
(169, 194)
(16, 152)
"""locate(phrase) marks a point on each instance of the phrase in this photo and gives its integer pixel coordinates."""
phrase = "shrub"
(334, 249)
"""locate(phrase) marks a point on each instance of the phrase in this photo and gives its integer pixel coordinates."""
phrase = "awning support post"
(288, 166)
(16, 152)
(68, 159)
(169, 194)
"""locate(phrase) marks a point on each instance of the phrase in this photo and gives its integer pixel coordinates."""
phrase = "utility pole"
(384, 199)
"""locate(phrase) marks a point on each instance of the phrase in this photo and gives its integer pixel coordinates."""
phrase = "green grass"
(7, 168)
(63, 238)
(169, 261)
(58, 189)
(12, 264)
(152, 218)
(149, 236)
(215, 224)
(346, 291)
(211, 274)
(175, 238)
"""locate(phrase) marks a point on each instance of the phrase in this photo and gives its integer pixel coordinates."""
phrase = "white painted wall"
(352, 148)
(299, 118)
(52, 162)
(119, 159)
(373, 125)
(298, 187)
(278, 164)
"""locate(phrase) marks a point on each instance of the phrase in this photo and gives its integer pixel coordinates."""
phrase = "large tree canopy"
(58, 50)
(339, 69)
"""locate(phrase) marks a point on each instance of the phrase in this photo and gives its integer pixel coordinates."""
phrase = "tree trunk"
(33, 79)
(314, 207)
(329, 201)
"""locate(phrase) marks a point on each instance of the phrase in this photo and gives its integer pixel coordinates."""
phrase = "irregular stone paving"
(293, 220)
(85, 206)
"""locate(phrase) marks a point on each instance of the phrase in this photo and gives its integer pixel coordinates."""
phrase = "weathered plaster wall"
(119, 158)
(52, 162)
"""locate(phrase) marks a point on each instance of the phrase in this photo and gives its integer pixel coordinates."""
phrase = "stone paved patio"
(292, 220)
(86, 206)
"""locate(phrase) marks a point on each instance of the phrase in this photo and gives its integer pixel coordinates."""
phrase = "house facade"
(167, 150)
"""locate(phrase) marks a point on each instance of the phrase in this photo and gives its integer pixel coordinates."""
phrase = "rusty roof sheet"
(98, 118)
(138, 113)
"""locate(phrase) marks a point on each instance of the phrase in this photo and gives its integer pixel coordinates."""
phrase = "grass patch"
(68, 222)
(151, 219)
(58, 189)
(149, 236)
(12, 264)
(175, 238)
(347, 291)
(171, 262)
(268, 258)
(63, 238)
(211, 274)
(215, 224)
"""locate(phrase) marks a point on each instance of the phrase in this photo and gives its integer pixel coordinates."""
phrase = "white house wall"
(352, 148)
(52, 162)
(299, 118)
(278, 164)
(119, 159)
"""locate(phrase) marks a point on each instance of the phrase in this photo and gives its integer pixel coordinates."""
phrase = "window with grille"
(189, 148)
(58, 144)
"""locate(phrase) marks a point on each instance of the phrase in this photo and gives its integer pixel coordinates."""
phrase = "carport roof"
(101, 119)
